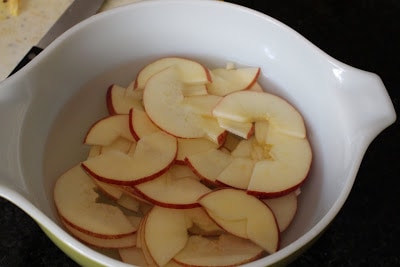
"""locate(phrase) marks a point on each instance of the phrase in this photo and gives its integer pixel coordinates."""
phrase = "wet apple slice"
(234, 205)
(190, 71)
(226, 81)
(116, 167)
(106, 130)
(75, 197)
(165, 233)
(102, 242)
(286, 168)
(120, 100)
(251, 106)
(171, 192)
(223, 251)
(190, 146)
(208, 164)
(163, 102)
(284, 208)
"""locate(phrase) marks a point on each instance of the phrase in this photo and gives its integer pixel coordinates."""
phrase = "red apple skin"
(129, 183)
(133, 132)
(110, 106)
(85, 231)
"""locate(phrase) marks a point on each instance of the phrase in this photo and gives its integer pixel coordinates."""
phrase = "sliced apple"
(234, 205)
(194, 90)
(250, 106)
(102, 242)
(190, 71)
(284, 208)
(181, 171)
(162, 191)
(231, 142)
(115, 167)
(202, 104)
(209, 164)
(163, 102)
(238, 173)
(105, 131)
(75, 199)
(286, 170)
(112, 191)
(120, 100)
(128, 202)
(241, 129)
(226, 250)
(140, 124)
(94, 151)
(226, 81)
(133, 256)
(256, 87)
(190, 146)
(120, 144)
(165, 233)
(200, 223)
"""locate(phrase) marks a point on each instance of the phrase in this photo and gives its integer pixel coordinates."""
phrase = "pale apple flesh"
(226, 250)
(75, 198)
(234, 205)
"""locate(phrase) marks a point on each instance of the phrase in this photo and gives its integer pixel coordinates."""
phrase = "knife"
(75, 13)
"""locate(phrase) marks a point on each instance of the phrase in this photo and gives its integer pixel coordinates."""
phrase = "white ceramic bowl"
(46, 108)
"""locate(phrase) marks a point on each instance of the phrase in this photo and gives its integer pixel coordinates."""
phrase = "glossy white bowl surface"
(46, 108)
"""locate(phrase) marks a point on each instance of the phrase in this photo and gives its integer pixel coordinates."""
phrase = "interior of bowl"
(70, 79)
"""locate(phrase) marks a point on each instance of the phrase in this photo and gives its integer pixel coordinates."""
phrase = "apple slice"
(226, 81)
(115, 167)
(187, 147)
(284, 208)
(102, 242)
(194, 90)
(120, 100)
(163, 102)
(75, 199)
(226, 250)
(209, 164)
(181, 171)
(129, 202)
(200, 223)
(133, 256)
(120, 144)
(112, 191)
(165, 233)
(251, 106)
(162, 191)
(191, 72)
(241, 129)
(237, 174)
(231, 142)
(105, 131)
(202, 105)
(235, 205)
(256, 87)
(287, 168)
(140, 124)
(94, 151)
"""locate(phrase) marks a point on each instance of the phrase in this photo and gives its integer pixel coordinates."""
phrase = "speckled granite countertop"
(18, 34)
(362, 33)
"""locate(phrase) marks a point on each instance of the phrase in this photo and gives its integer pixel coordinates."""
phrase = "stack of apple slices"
(192, 167)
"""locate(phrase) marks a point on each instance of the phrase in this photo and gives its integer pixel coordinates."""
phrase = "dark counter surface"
(366, 232)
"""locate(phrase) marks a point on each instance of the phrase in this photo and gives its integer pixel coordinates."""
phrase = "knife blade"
(77, 11)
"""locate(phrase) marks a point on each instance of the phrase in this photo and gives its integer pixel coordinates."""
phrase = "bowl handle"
(366, 105)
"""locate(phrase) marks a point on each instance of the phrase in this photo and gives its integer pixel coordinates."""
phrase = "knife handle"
(33, 52)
